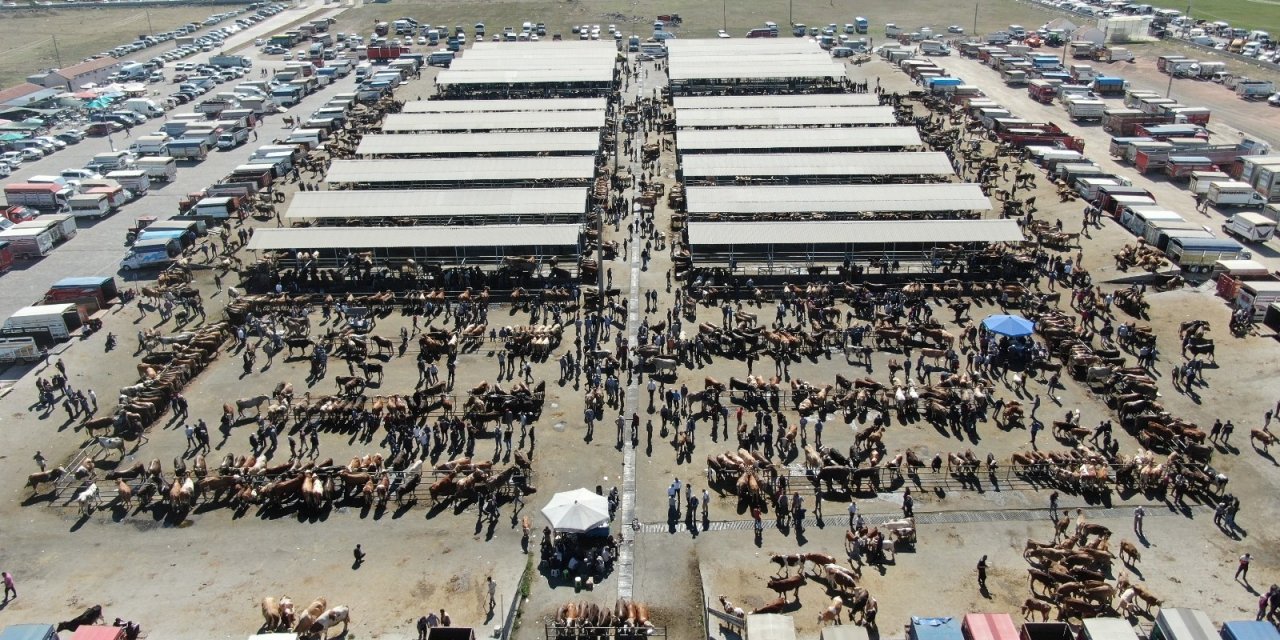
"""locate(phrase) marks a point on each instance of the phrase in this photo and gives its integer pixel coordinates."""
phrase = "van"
(152, 253)
(111, 161)
(1250, 227)
(654, 49)
(309, 137)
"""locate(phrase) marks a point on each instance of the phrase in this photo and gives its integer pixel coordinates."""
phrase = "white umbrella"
(577, 510)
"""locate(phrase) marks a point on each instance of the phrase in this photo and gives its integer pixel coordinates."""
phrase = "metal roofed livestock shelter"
(746, 202)
(409, 145)
(776, 101)
(796, 244)
(714, 70)
(441, 206)
(524, 76)
(545, 104)
(774, 118)
(743, 234)
(747, 48)
(551, 171)
(472, 245)
(740, 66)
(713, 168)
(691, 141)
(494, 121)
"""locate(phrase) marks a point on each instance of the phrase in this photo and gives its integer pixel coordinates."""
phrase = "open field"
(1247, 14)
(29, 35)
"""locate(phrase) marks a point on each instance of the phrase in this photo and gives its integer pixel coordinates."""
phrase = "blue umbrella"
(1012, 326)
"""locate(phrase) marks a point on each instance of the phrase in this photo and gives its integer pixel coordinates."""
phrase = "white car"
(288, 55)
(12, 158)
(723, 34)
(258, 42)
(955, 28)
(31, 153)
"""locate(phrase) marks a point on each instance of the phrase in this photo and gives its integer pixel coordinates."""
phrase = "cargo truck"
(155, 144)
(1233, 193)
(43, 197)
(150, 254)
(1200, 180)
(28, 243)
(1250, 227)
(159, 168)
(1255, 89)
(90, 205)
(52, 321)
(135, 180)
(1198, 255)
(186, 149)
(1085, 109)
(226, 61)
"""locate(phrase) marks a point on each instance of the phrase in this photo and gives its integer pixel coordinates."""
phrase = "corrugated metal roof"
(805, 164)
(768, 139)
(531, 142)
(473, 106)
(471, 64)
(840, 198)
(498, 236)
(527, 121)
(770, 626)
(527, 76)
(870, 232)
(435, 202)
(461, 169)
(797, 117)
(756, 69)
(777, 102)
(755, 46)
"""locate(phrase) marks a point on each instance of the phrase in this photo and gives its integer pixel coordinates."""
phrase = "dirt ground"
(141, 567)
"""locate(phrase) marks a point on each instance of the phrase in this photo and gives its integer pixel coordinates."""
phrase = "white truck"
(144, 106)
(19, 349)
(57, 320)
(155, 144)
(1233, 193)
(91, 205)
(1250, 227)
(1200, 180)
(231, 139)
(134, 180)
(159, 168)
(1080, 109)
(934, 48)
(28, 243)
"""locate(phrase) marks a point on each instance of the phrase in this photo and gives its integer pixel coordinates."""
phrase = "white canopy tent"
(577, 510)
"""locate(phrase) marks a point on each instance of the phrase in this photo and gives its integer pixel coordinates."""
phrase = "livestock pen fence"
(556, 632)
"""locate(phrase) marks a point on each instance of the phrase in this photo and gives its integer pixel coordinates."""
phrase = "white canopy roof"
(724, 140)
(859, 232)
(840, 198)
(431, 144)
(497, 120)
(309, 238)
(783, 101)
(462, 169)
(794, 117)
(475, 106)
(437, 202)
(825, 164)
(577, 510)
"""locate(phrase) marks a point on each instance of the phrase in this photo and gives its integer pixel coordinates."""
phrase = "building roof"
(475, 106)
(859, 232)
(9, 94)
(488, 121)
(419, 203)
(794, 117)
(462, 169)
(815, 164)
(783, 101)
(840, 198)
(88, 66)
(722, 140)
(524, 76)
(526, 142)
(785, 68)
(545, 235)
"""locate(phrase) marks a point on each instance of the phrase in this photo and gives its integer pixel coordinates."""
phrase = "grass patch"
(526, 584)
(1245, 14)
(27, 36)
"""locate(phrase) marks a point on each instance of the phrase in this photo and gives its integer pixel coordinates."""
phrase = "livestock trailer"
(1249, 630)
(1107, 629)
(100, 289)
(56, 321)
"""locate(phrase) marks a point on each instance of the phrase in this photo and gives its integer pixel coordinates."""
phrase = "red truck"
(1158, 159)
(385, 53)
(1025, 134)
(6, 256)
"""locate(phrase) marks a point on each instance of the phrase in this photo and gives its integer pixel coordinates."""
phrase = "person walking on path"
(493, 589)
(908, 504)
(1138, 515)
(1242, 571)
(1053, 506)
(40, 461)
(8, 586)
(359, 556)
(982, 574)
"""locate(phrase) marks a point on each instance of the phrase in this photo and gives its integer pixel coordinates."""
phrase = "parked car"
(32, 153)
(12, 158)
(58, 144)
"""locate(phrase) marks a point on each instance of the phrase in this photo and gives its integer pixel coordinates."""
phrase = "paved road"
(99, 246)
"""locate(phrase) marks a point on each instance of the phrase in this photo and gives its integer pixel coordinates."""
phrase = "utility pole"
(724, 14)
(976, 3)
(56, 54)
(150, 29)
(791, 21)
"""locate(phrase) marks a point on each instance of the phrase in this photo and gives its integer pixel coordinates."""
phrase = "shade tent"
(359, 238)
(871, 164)
(577, 510)
(444, 203)
(494, 121)
(477, 144)
(848, 199)
(1011, 326)
(803, 100)
(794, 140)
(785, 118)
(476, 171)
(747, 234)
(480, 106)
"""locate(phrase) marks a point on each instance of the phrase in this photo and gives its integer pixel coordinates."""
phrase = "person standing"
(853, 513)
(40, 461)
(1053, 506)
(1242, 571)
(1138, 515)
(359, 556)
(908, 504)
(493, 589)
(8, 586)
(982, 574)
